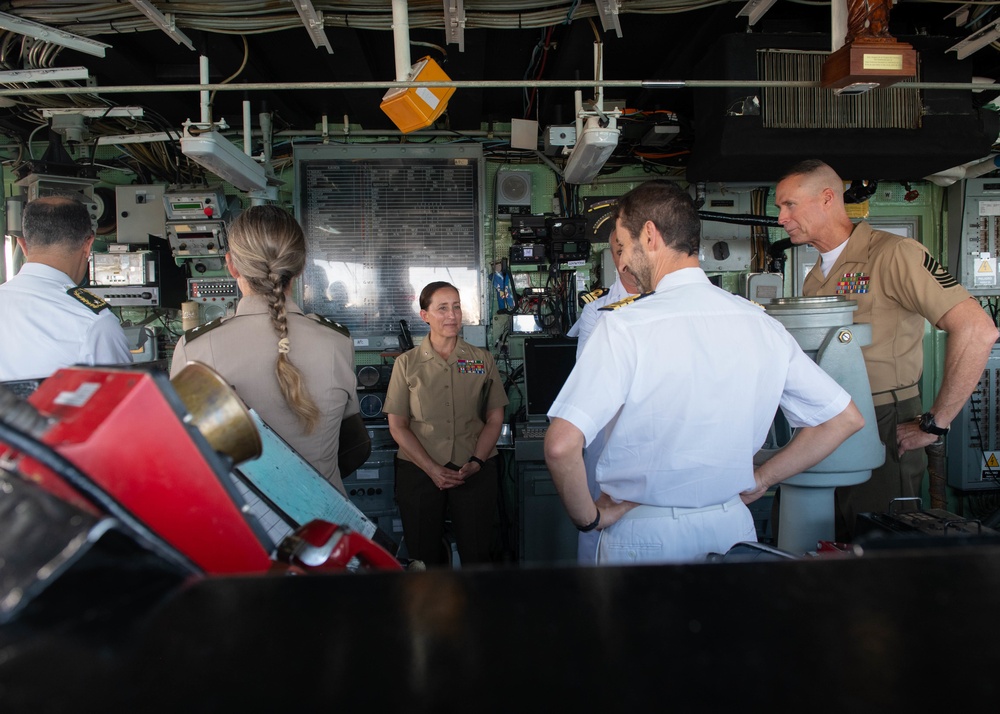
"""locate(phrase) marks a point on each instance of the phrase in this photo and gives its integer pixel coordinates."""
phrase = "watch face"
(927, 425)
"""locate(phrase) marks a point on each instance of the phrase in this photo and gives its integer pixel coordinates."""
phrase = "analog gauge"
(368, 376)
(371, 406)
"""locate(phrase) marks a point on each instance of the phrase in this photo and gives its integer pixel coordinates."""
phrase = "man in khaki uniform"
(897, 285)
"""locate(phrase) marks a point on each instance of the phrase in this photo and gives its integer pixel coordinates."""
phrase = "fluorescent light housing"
(454, 23)
(608, 10)
(44, 33)
(95, 112)
(755, 9)
(220, 156)
(313, 22)
(164, 22)
(51, 74)
(855, 89)
(593, 148)
(977, 40)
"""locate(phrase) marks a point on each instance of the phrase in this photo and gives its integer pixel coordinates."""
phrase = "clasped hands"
(449, 476)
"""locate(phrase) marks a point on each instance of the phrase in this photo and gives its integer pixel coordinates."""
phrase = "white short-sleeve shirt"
(583, 328)
(43, 328)
(688, 380)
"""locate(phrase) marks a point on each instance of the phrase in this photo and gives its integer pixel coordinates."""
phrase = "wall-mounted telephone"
(405, 340)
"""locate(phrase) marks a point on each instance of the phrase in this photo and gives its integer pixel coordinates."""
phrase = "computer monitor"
(547, 364)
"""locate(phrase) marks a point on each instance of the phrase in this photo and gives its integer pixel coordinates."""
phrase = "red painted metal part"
(321, 545)
(126, 430)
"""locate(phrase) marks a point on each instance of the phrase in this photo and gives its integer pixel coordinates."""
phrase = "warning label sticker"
(985, 271)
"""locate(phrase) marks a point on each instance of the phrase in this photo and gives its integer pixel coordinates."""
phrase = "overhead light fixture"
(95, 112)
(313, 22)
(220, 156)
(855, 89)
(454, 23)
(961, 15)
(755, 9)
(594, 147)
(148, 137)
(164, 22)
(608, 10)
(44, 33)
(976, 41)
(54, 74)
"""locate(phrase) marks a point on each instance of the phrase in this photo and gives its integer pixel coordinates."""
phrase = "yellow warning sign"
(991, 461)
(985, 267)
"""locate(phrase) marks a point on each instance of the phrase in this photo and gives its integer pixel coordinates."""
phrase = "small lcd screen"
(185, 206)
(524, 324)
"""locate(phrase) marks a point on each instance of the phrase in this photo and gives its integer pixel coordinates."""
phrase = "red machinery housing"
(131, 433)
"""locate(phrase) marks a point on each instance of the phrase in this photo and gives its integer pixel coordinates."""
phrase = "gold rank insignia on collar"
(200, 330)
(585, 298)
(89, 300)
(333, 325)
(626, 301)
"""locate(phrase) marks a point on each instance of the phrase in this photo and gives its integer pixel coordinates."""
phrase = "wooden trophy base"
(873, 62)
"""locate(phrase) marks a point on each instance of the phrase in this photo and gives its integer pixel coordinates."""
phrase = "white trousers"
(652, 534)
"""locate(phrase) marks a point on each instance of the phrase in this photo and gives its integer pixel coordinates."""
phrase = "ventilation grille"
(817, 108)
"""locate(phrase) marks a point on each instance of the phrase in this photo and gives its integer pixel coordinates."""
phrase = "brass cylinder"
(189, 315)
(217, 412)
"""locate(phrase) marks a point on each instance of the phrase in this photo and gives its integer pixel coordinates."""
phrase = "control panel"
(194, 203)
(128, 295)
(980, 243)
(216, 297)
(212, 289)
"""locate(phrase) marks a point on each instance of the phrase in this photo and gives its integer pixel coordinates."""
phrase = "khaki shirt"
(244, 349)
(445, 401)
(897, 285)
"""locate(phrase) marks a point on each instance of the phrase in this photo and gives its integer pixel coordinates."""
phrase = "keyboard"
(534, 431)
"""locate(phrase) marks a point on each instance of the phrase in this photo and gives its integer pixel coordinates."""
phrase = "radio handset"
(405, 340)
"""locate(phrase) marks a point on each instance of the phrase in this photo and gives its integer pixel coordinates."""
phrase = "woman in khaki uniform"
(296, 371)
(445, 405)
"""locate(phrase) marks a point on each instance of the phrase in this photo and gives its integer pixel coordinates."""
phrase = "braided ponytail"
(268, 249)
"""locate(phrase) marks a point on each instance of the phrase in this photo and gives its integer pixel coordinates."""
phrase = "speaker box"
(513, 193)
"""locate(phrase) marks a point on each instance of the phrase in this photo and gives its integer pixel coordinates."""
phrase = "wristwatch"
(927, 424)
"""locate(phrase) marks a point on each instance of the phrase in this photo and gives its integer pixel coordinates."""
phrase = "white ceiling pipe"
(247, 129)
(401, 39)
(838, 24)
(206, 109)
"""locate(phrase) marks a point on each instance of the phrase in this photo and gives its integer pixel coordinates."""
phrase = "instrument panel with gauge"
(373, 379)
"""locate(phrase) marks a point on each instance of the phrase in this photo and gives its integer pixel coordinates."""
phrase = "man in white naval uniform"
(623, 287)
(686, 379)
(47, 322)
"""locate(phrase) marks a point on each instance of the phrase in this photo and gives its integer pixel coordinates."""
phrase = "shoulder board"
(200, 330)
(89, 300)
(584, 298)
(626, 301)
(331, 324)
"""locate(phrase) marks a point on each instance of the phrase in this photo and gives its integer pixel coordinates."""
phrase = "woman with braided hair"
(296, 371)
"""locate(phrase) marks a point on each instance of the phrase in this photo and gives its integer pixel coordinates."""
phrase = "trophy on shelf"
(870, 57)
